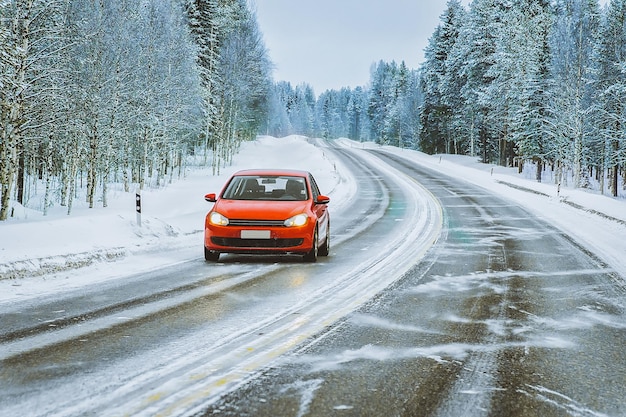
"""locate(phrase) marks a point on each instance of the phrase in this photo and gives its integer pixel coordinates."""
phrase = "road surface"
(438, 299)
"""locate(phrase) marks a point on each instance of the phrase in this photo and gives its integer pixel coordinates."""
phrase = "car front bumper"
(230, 239)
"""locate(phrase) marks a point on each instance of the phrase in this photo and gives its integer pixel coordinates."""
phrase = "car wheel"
(211, 256)
(311, 256)
(324, 250)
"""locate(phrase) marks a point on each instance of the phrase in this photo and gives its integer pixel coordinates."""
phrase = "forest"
(512, 82)
(95, 92)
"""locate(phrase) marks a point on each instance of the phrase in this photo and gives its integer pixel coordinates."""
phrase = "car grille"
(262, 223)
(256, 243)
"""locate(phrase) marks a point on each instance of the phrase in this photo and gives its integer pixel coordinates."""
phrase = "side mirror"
(210, 198)
(322, 199)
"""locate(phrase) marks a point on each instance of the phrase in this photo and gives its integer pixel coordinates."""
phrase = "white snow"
(36, 251)
(595, 221)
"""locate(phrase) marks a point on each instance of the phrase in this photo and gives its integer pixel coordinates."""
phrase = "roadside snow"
(596, 222)
(39, 254)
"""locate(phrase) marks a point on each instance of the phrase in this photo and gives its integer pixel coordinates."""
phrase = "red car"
(268, 212)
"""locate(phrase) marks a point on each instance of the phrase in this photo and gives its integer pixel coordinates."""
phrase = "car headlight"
(297, 220)
(217, 219)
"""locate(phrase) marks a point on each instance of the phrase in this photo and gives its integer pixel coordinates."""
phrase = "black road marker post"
(138, 206)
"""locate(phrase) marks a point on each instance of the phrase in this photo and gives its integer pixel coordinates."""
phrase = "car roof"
(279, 172)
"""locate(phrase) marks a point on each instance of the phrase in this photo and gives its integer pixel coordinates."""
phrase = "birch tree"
(572, 39)
(206, 21)
(30, 38)
(245, 74)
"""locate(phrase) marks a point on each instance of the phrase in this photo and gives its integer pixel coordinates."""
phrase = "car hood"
(260, 210)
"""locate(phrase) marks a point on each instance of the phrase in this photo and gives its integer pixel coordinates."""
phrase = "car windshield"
(279, 187)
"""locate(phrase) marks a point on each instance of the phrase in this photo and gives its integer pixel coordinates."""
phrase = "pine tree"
(530, 115)
(382, 90)
(440, 84)
(205, 24)
(235, 71)
(302, 110)
(358, 121)
(610, 87)
(278, 123)
(473, 59)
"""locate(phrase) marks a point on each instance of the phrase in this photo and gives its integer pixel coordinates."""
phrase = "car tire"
(324, 250)
(211, 256)
(311, 256)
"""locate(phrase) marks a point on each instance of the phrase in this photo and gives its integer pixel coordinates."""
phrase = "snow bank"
(172, 216)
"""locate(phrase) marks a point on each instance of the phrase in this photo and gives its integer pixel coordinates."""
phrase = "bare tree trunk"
(72, 173)
(19, 185)
(105, 179)
(7, 174)
(92, 177)
(615, 182)
(601, 174)
(47, 167)
(46, 199)
(63, 185)
(539, 169)
(144, 167)
(578, 159)
(12, 104)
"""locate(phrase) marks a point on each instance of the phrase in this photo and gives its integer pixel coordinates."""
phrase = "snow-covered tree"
(278, 123)
(30, 39)
(472, 59)
(93, 92)
(610, 90)
(358, 122)
(529, 124)
(441, 83)
(235, 71)
(301, 111)
(119, 90)
(572, 38)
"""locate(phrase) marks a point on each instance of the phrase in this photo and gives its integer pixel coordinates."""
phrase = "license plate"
(255, 234)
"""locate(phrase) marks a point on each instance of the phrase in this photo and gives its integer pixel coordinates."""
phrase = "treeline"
(510, 81)
(386, 111)
(93, 92)
(530, 80)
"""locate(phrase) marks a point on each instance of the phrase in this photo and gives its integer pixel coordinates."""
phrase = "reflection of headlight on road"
(218, 219)
(297, 220)
(297, 281)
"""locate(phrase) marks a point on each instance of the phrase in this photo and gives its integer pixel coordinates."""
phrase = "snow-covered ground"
(38, 254)
(595, 221)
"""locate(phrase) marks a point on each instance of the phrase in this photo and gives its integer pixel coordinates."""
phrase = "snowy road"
(172, 340)
(504, 315)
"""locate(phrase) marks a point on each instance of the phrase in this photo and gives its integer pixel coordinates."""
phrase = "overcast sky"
(331, 44)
